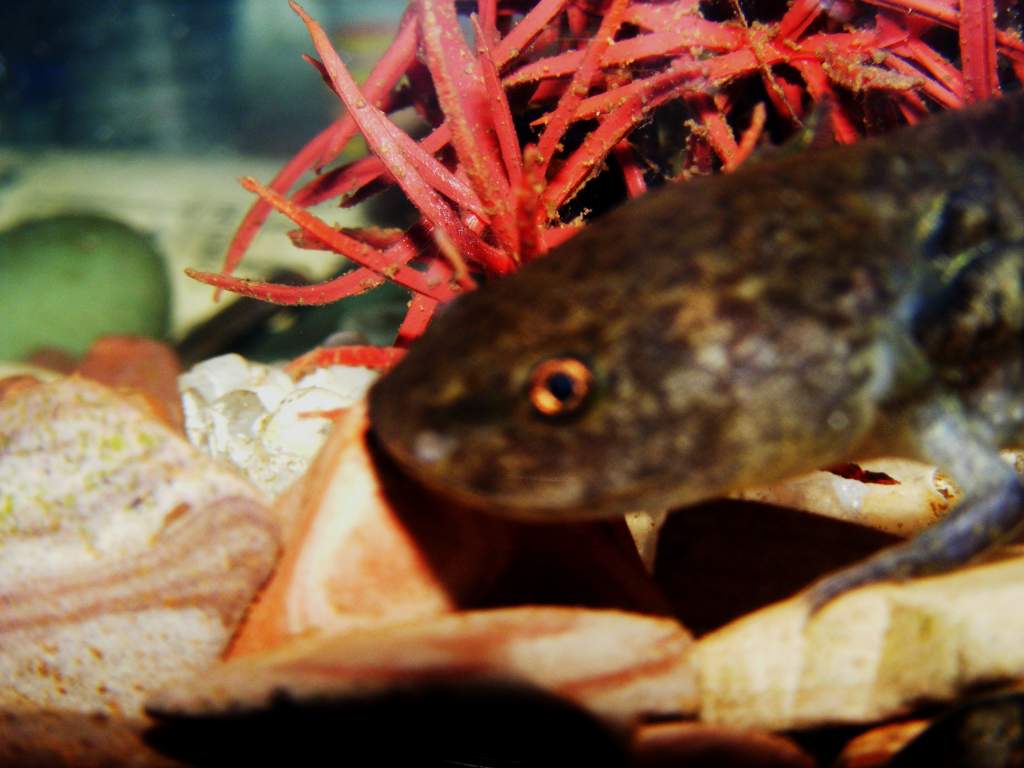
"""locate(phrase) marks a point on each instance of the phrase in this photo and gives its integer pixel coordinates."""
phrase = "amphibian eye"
(559, 386)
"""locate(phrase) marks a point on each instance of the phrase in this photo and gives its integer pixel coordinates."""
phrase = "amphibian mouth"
(737, 330)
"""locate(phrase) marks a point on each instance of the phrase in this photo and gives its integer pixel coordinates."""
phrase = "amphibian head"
(580, 389)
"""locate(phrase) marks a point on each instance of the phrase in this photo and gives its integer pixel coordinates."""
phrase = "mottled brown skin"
(745, 328)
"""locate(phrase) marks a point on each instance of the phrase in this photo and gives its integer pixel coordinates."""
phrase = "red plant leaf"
(978, 49)
(350, 284)
(929, 85)
(375, 237)
(435, 174)
(431, 170)
(555, 236)
(580, 83)
(528, 218)
(818, 86)
(492, 206)
(947, 14)
(522, 34)
(258, 212)
(682, 73)
(359, 356)
(501, 113)
(487, 21)
(632, 173)
(379, 136)
(417, 318)
(385, 75)
(328, 143)
(614, 126)
(352, 177)
(932, 62)
(460, 90)
(670, 15)
(798, 18)
(363, 254)
(716, 129)
(748, 141)
(705, 34)
(577, 21)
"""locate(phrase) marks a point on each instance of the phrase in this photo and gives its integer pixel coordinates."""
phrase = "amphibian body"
(737, 330)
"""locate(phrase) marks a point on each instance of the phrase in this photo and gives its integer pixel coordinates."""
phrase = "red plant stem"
(555, 236)
(929, 85)
(672, 81)
(459, 86)
(523, 33)
(947, 14)
(528, 217)
(716, 129)
(932, 61)
(664, 15)
(259, 210)
(580, 83)
(350, 284)
(978, 49)
(750, 137)
(797, 19)
(632, 173)
(435, 174)
(394, 62)
(708, 35)
(417, 318)
(350, 178)
(328, 143)
(487, 21)
(349, 247)
(577, 23)
(379, 137)
(501, 113)
(596, 146)
(821, 90)
(358, 356)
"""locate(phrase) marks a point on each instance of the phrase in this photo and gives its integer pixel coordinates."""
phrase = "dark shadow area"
(489, 562)
(721, 560)
(468, 725)
(985, 732)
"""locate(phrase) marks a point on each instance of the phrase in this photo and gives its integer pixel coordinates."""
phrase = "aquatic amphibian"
(737, 330)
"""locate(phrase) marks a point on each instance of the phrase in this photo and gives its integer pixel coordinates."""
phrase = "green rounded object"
(66, 280)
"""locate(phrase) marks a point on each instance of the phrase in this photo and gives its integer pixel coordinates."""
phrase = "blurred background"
(146, 113)
(194, 76)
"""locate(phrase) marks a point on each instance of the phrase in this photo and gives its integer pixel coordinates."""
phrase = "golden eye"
(559, 386)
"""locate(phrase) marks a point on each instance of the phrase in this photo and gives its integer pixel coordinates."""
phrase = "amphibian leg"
(990, 512)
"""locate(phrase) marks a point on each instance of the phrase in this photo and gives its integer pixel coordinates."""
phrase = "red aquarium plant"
(526, 102)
